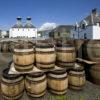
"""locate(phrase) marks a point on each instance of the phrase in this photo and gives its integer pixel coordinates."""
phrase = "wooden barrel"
(57, 82)
(79, 47)
(44, 40)
(66, 55)
(5, 47)
(0, 84)
(0, 46)
(12, 46)
(36, 84)
(64, 41)
(93, 50)
(76, 77)
(95, 73)
(12, 86)
(45, 56)
(23, 57)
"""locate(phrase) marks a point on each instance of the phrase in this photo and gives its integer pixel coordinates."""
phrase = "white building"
(88, 28)
(4, 34)
(18, 30)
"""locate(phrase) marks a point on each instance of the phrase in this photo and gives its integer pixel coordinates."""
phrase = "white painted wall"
(92, 32)
(96, 32)
(23, 32)
(3, 33)
(81, 33)
(74, 34)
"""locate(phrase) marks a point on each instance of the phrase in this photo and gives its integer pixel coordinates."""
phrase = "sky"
(45, 11)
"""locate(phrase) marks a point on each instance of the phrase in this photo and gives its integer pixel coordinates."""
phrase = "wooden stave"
(60, 80)
(45, 52)
(76, 75)
(95, 74)
(33, 80)
(12, 83)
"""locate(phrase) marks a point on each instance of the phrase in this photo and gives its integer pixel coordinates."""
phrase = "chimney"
(94, 11)
(19, 19)
(28, 20)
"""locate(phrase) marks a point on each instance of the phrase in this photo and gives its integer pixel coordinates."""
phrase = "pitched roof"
(92, 19)
(29, 26)
(17, 26)
(63, 28)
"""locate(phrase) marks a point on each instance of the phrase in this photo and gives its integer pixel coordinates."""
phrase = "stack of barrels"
(12, 46)
(8, 46)
(90, 50)
(4, 47)
(44, 56)
(92, 53)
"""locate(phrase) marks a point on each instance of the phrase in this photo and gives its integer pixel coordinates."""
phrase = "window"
(85, 36)
(98, 24)
(83, 26)
(73, 35)
(75, 27)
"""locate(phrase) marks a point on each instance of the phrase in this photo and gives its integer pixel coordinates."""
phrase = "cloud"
(48, 26)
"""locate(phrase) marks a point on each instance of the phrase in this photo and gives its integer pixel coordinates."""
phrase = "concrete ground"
(89, 92)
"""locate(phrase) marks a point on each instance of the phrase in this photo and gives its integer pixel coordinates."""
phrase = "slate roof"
(92, 19)
(63, 28)
(29, 26)
(17, 26)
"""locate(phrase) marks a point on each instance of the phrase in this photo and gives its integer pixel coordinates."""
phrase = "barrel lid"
(64, 45)
(24, 46)
(37, 74)
(56, 72)
(77, 67)
(9, 76)
(44, 45)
